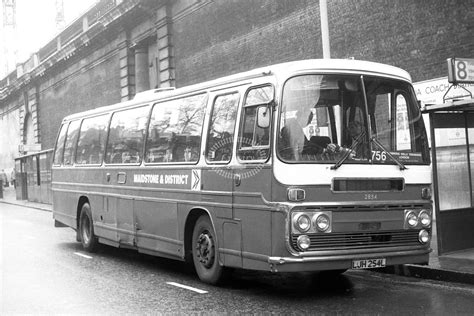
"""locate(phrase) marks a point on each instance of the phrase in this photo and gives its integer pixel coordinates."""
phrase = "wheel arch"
(191, 220)
(82, 200)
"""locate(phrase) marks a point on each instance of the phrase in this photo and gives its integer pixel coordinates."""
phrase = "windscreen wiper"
(355, 145)
(397, 161)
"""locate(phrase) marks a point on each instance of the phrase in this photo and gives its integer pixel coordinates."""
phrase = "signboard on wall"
(460, 70)
(30, 148)
(432, 92)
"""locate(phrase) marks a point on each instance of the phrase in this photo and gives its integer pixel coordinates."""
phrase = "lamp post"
(323, 9)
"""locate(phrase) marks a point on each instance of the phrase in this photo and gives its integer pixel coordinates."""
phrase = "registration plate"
(368, 263)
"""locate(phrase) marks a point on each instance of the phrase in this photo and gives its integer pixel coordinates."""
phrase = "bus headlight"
(411, 219)
(303, 242)
(425, 218)
(303, 223)
(424, 236)
(322, 222)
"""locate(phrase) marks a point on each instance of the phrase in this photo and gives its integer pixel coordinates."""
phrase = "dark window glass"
(58, 153)
(71, 141)
(175, 130)
(91, 144)
(254, 141)
(127, 136)
(221, 129)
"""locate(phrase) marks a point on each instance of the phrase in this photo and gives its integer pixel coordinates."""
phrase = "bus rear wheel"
(205, 252)
(86, 229)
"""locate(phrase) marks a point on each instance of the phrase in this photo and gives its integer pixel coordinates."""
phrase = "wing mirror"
(263, 116)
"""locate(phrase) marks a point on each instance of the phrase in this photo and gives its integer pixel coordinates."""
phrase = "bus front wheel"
(205, 252)
(86, 229)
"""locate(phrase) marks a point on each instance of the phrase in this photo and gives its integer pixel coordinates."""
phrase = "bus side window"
(221, 128)
(127, 136)
(91, 144)
(71, 140)
(58, 153)
(175, 130)
(254, 141)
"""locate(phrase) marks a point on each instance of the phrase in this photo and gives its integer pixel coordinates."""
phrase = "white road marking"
(187, 287)
(82, 255)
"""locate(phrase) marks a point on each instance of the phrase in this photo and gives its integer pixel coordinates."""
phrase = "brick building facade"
(120, 47)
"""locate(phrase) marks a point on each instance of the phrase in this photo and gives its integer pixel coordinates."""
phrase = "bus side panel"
(125, 221)
(256, 237)
(255, 216)
(231, 244)
(69, 186)
(62, 208)
(106, 227)
(156, 224)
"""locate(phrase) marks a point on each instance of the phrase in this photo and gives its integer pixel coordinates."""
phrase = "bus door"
(252, 173)
(217, 175)
(220, 139)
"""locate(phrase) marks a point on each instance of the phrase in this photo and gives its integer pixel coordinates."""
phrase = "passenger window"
(254, 141)
(221, 130)
(91, 144)
(127, 136)
(71, 141)
(175, 130)
(58, 153)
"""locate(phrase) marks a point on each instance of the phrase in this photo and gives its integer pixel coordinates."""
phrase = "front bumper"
(344, 261)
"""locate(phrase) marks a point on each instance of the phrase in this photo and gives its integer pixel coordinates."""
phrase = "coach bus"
(309, 165)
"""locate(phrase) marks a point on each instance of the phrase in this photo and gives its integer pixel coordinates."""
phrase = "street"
(45, 271)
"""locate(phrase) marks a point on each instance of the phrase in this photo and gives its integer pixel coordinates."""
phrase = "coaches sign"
(460, 70)
(432, 91)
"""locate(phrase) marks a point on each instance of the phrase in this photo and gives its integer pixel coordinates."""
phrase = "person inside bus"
(292, 134)
(356, 134)
(299, 143)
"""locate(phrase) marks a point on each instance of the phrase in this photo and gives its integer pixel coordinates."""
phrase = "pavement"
(453, 267)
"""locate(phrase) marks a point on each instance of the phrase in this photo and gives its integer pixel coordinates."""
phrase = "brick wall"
(229, 36)
(88, 83)
(417, 35)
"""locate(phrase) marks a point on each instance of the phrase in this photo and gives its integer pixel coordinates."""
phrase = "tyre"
(205, 252)
(86, 229)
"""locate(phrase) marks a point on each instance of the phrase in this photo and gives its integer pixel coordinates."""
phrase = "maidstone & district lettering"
(161, 179)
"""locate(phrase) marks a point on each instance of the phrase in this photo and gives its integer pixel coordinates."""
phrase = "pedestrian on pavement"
(13, 178)
(3, 177)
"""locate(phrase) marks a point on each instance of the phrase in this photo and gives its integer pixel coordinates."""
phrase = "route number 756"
(379, 155)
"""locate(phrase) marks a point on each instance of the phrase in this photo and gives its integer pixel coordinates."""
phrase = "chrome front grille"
(360, 240)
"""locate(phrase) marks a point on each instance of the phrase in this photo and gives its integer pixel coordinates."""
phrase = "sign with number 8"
(460, 70)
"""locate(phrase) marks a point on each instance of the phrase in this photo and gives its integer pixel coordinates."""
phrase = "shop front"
(33, 177)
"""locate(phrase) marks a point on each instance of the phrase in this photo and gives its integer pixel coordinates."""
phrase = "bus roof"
(282, 70)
